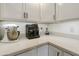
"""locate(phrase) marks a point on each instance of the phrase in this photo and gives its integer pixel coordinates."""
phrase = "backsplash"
(42, 27)
(69, 29)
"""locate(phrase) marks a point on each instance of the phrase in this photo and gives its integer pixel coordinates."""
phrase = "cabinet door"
(47, 12)
(54, 51)
(11, 10)
(43, 50)
(33, 11)
(32, 52)
(66, 54)
(66, 11)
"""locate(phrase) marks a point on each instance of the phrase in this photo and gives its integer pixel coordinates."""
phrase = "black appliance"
(32, 31)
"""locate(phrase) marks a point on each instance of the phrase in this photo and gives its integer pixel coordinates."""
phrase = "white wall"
(71, 27)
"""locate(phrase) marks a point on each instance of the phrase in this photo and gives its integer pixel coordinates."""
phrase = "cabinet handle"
(25, 15)
(54, 17)
(58, 53)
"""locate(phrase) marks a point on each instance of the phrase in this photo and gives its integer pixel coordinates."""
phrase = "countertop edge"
(27, 49)
(64, 49)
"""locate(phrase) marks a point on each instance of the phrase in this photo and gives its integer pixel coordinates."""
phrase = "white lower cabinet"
(43, 50)
(54, 51)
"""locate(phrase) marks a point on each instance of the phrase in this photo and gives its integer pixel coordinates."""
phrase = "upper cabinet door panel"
(33, 11)
(47, 12)
(66, 11)
(11, 10)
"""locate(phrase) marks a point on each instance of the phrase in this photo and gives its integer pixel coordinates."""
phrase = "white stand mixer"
(6, 30)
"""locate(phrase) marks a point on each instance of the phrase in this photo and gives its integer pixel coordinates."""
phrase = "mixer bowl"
(13, 35)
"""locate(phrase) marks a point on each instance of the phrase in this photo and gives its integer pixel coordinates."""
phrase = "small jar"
(46, 32)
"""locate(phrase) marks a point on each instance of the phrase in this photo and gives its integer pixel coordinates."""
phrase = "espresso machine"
(32, 31)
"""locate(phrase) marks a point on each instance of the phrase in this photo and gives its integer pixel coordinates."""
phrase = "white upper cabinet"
(66, 11)
(39, 12)
(47, 12)
(33, 11)
(11, 11)
(28, 11)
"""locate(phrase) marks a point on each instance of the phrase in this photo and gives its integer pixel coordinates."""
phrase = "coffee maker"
(32, 31)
